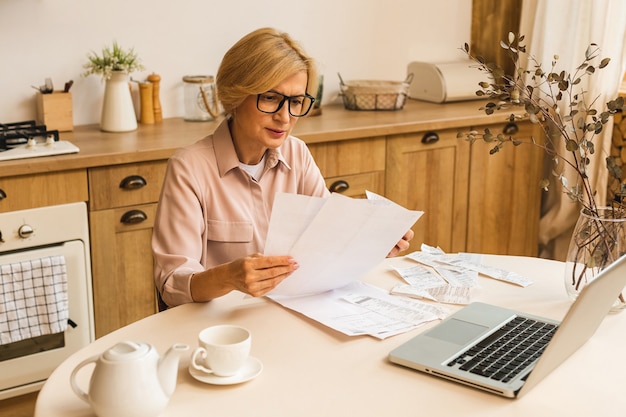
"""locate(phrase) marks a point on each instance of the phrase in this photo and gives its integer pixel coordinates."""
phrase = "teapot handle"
(77, 390)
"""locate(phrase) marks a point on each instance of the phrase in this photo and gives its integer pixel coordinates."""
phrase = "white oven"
(54, 238)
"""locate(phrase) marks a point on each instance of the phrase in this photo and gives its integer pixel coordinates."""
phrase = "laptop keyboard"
(508, 351)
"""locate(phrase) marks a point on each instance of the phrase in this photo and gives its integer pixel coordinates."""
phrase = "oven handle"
(134, 217)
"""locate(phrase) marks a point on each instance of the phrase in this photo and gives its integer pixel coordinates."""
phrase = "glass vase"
(598, 240)
(118, 111)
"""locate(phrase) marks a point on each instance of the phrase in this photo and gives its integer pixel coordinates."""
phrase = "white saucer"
(251, 369)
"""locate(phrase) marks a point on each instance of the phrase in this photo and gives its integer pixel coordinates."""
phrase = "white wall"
(361, 39)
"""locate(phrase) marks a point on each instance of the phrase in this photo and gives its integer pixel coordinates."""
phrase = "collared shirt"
(211, 211)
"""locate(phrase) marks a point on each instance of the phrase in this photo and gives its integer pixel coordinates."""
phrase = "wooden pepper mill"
(155, 79)
(147, 104)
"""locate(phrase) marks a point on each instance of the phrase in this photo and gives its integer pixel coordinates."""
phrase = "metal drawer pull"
(510, 129)
(134, 217)
(132, 182)
(339, 186)
(430, 137)
(3, 195)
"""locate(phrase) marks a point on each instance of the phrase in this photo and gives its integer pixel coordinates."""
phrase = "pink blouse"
(212, 212)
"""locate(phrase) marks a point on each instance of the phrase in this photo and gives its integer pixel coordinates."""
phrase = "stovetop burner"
(27, 139)
(18, 133)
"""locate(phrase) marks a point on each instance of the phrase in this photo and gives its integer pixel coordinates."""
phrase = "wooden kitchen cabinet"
(123, 203)
(41, 190)
(428, 171)
(350, 167)
(125, 185)
(472, 201)
(504, 195)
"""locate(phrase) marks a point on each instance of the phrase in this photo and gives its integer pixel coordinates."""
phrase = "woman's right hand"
(254, 274)
(257, 274)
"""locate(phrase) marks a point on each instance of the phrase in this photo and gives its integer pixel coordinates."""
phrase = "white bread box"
(445, 82)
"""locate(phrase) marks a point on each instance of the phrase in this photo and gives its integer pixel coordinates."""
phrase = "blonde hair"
(258, 62)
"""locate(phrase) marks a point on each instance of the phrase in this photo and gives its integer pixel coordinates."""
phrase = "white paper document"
(361, 309)
(429, 284)
(495, 273)
(466, 262)
(335, 240)
(448, 278)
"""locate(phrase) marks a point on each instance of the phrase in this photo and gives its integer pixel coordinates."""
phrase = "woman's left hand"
(402, 245)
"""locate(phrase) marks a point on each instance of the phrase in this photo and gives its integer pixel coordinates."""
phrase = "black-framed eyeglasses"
(272, 101)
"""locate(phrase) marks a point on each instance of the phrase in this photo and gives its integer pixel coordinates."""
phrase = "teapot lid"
(125, 351)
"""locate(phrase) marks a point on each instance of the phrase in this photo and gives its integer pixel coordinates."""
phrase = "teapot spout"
(168, 368)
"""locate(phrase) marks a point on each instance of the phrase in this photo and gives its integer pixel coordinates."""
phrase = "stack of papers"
(362, 309)
(448, 278)
(336, 241)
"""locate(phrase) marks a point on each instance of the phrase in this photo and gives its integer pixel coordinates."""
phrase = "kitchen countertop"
(159, 141)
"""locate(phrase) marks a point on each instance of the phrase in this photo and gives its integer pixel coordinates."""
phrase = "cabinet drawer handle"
(134, 217)
(339, 186)
(430, 137)
(510, 129)
(132, 182)
(3, 195)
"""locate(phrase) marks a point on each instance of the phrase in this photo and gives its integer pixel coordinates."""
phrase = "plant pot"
(597, 241)
(118, 111)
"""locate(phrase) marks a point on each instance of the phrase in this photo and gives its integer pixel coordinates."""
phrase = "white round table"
(311, 370)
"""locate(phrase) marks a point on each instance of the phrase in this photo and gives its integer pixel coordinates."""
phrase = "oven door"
(25, 365)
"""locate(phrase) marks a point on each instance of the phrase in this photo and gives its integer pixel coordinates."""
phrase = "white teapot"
(130, 380)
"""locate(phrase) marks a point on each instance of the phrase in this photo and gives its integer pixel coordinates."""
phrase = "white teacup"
(222, 350)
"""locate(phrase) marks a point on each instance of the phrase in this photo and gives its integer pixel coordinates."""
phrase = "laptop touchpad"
(456, 331)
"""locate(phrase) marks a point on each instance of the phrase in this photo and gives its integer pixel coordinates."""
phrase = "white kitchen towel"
(33, 299)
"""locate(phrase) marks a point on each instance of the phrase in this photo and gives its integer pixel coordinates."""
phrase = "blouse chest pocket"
(222, 231)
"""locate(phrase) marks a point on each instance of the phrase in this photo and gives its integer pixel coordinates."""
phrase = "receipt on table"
(496, 273)
(448, 294)
(442, 284)
(435, 257)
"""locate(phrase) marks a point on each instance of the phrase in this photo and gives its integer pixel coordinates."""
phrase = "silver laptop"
(469, 346)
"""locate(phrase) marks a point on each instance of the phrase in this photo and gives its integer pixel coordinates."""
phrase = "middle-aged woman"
(215, 205)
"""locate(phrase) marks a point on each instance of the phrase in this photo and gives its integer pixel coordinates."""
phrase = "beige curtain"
(566, 28)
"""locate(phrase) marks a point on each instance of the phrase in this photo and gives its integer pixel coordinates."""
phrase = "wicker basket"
(374, 95)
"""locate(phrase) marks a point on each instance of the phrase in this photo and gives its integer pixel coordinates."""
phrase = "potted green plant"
(115, 65)
(112, 59)
(558, 103)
